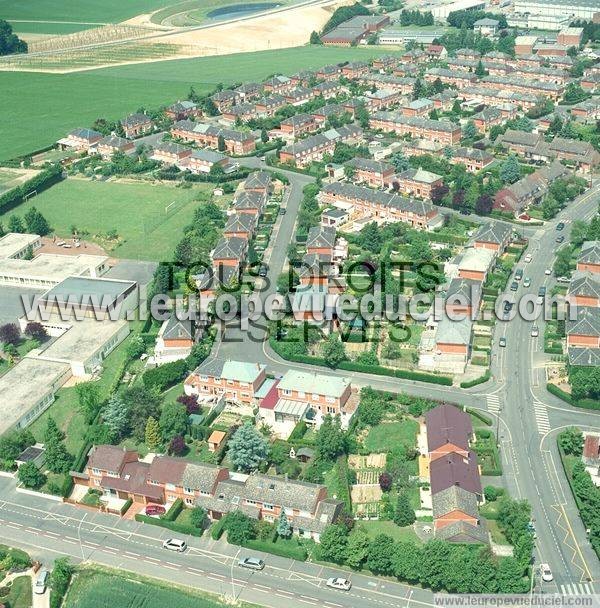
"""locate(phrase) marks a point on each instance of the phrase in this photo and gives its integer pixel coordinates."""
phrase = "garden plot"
(366, 493)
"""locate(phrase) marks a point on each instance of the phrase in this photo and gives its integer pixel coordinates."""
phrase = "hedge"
(477, 414)
(173, 513)
(217, 529)
(476, 381)
(126, 506)
(170, 525)
(166, 375)
(283, 549)
(589, 404)
(41, 181)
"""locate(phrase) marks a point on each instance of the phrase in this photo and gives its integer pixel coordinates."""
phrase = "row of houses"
(583, 332)
(450, 466)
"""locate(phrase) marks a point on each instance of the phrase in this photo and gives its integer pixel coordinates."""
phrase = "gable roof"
(229, 248)
(454, 498)
(590, 253)
(110, 457)
(178, 329)
(585, 284)
(584, 357)
(463, 532)
(587, 322)
(447, 424)
(321, 236)
(493, 232)
(242, 371)
(309, 383)
(455, 470)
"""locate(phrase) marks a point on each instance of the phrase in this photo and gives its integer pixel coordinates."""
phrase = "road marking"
(541, 417)
(576, 589)
(493, 403)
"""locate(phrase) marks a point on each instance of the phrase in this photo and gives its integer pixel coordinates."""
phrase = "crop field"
(93, 589)
(96, 11)
(40, 115)
(48, 27)
(136, 211)
(75, 59)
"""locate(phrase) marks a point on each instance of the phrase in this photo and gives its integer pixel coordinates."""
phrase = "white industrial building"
(578, 9)
(441, 10)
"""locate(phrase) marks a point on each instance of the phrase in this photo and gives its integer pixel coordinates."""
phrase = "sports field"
(40, 114)
(136, 211)
(96, 589)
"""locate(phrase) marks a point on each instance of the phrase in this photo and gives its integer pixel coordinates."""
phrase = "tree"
(88, 396)
(510, 170)
(484, 204)
(385, 481)
(400, 162)
(574, 93)
(177, 446)
(480, 69)
(30, 476)
(264, 136)
(513, 517)
(418, 89)
(13, 443)
(283, 526)
(15, 224)
(190, 402)
(510, 575)
(197, 517)
(141, 403)
(334, 542)
(370, 237)
(10, 43)
(52, 434)
(221, 143)
(381, 551)
(116, 416)
(153, 440)
(406, 561)
(333, 351)
(470, 130)
(10, 334)
(36, 223)
(56, 457)
(173, 420)
(330, 440)
(315, 38)
(247, 449)
(439, 193)
(136, 347)
(240, 528)
(36, 330)
(562, 263)
(404, 514)
(358, 548)
(61, 576)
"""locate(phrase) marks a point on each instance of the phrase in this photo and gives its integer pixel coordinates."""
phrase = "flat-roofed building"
(15, 245)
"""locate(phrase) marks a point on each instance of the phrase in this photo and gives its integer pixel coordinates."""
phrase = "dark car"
(281, 210)
(560, 226)
(508, 306)
(560, 239)
(514, 286)
(262, 271)
(155, 510)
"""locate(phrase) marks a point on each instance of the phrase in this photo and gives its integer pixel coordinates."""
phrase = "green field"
(135, 210)
(96, 589)
(48, 27)
(375, 527)
(40, 114)
(99, 11)
(384, 437)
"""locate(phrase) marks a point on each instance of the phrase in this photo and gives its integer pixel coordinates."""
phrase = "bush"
(165, 376)
(173, 513)
(480, 416)
(170, 525)
(126, 506)
(41, 181)
(589, 404)
(217, 529)
(284, 548)
(476, 381)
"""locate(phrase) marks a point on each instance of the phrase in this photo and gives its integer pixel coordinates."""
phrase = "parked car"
(546, 573)
(155, 510)
(560, 239)
(518, 274)
(343, 584)
(40, 582)
(254, 563)
(514, 286)
(560, 225)
(535, 332)
(262, 271)
(527, 282)
(174, 544)
(548, 271)
(528, 258)
(502, 341)
(281, 210)
(508, 306)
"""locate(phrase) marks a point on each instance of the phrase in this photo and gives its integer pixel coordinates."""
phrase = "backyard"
(135, 211)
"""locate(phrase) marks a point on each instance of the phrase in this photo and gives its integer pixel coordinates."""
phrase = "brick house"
(230, 251)
(241, 225)
(174, 340)
(456, 78)
(136, 125)
(225, 99)
(107, 146)
(462, 297)
(449, 430)
(267, 106)
(354, 69)
(417, 182)
(299, 96)
(80, 139)
(320, 240)
(443, 131)
(327, 89)
(183, 110)
(418, 107)
(585, 330)
(494, 236)
(235, 142)
(589, 257)
(474, 159)
(241, 111)
(475, 263)
(202, 161)
(570, 36)
(278, 84)
(250, 202)
(375, 173)
(584, 289)
(234, 380)
(298, 125)
(170, 153)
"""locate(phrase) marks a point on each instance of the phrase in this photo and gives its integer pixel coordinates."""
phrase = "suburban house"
(170, 153)
(241, 225)
(474, 159)
(267, 106)
(249, 201)
(443, 131)
(375, 173)
(237, 381)
(584, 289)
(230, 251)
(417, 182)
(136, 125)
(107, 146)
(320, 240)
(234, 142)
(462, 297)
(584, 331)
(203, 161)
(475, 263)
(79, 139)
(449, 430)
(182, 110)
(494, 236)
(589, 257)
(174, 340)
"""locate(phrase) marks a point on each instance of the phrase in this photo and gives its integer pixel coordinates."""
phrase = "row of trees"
(10, 43)
(419, 18)
(33, 222)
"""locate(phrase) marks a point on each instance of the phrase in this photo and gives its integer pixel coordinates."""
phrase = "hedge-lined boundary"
(168, 520)
(476, 381)
(377, 370)
(587, 404)
(43, 180)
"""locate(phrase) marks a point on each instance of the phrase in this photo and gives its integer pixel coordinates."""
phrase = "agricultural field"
(10, 178)
(49, 28)
(95, 589)
(39, 114)
(135, 210)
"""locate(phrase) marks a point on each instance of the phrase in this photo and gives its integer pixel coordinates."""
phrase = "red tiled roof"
(270, 399)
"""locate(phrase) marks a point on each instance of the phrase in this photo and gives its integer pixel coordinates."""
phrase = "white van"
(41, 582)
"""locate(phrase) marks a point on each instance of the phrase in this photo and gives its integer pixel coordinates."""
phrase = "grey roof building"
(321, 237)
(587, 322)
(590, 253)
(233, 248)
(584, 357)
(463, 532)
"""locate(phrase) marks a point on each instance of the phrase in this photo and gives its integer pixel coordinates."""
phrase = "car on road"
(535, 332)
(253, 563)
(502, 342)
(560, 239)
(343, 584)
(560, 225)
(155, 510)
(518, 274)
(262, 158)
(548, 271)
(175, 544)
(41, 582)
(527, 282)
(528, 258)
(546, 573)
(508, 306)
(262, 271)
(281, 210)
(514, 286)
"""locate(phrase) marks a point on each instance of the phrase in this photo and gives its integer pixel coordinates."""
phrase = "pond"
(240, 10)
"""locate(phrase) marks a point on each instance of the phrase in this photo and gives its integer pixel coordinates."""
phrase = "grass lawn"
(48, 27)
(38, 120)
(94, 588)
(135, 210)
(497, 535)
(384, 437)
(99, 11)
(20, 593)
(373, 528)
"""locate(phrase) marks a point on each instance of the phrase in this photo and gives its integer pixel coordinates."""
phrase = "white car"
(174, 544)
(548, 271)
(41, 582)
(528, 258)
(343, 584)
(254, 563)
(546, 573)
